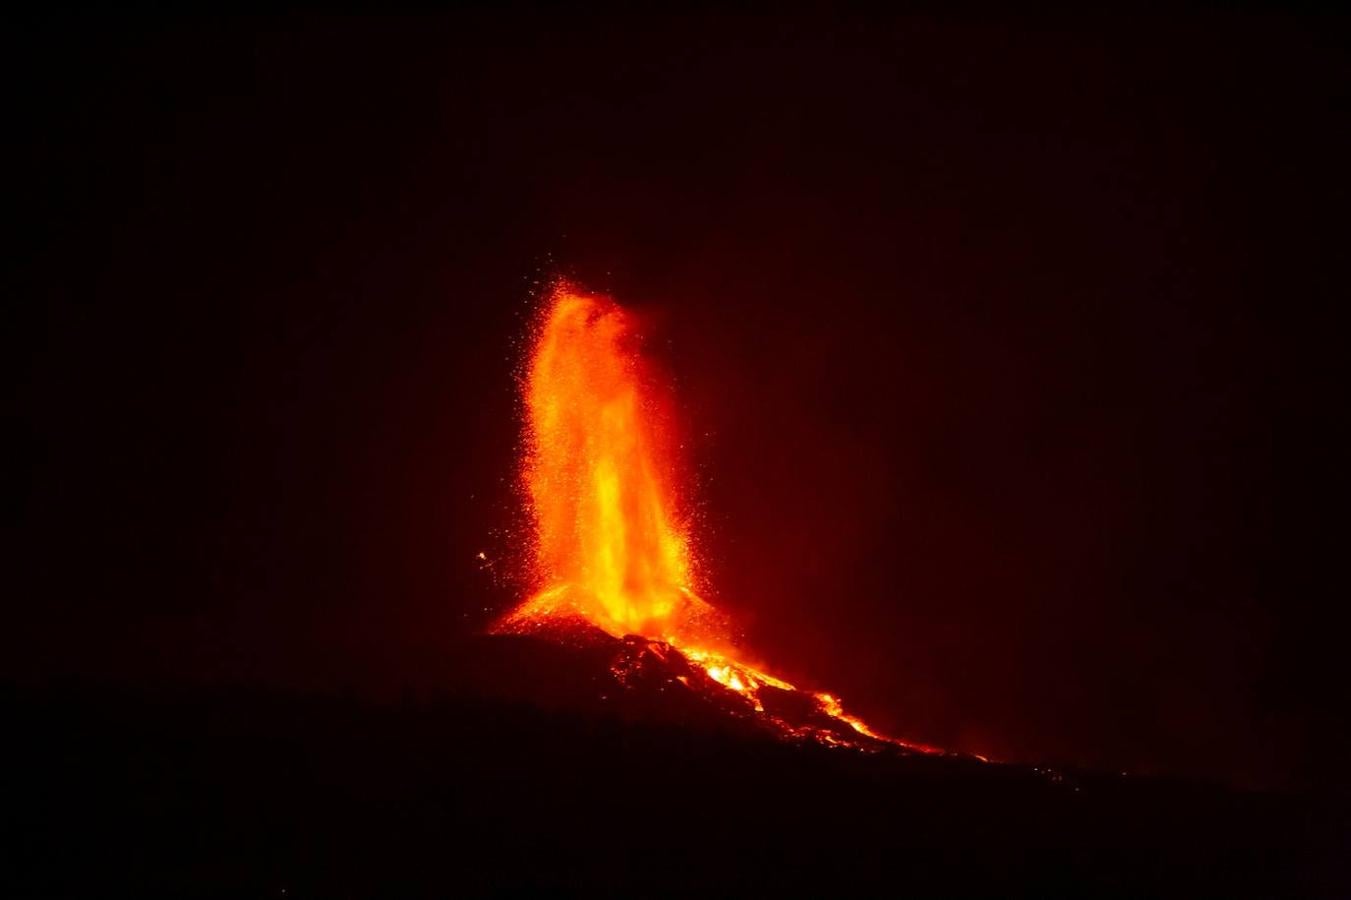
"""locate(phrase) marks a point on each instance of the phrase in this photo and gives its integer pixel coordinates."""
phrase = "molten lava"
(612, 547)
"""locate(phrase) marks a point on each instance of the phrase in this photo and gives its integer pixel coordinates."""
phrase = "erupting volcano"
(612, 549)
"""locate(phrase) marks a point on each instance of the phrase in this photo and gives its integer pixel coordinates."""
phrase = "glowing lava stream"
(599, 472)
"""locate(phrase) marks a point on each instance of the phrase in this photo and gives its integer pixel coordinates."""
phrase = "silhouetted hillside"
(250, 792)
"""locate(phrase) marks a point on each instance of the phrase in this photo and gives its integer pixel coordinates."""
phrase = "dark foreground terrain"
(253, 792)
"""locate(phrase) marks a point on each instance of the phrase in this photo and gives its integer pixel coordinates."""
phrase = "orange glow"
(612, 547)
(609, 543)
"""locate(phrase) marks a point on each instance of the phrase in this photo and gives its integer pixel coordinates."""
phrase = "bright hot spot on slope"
(612, 547)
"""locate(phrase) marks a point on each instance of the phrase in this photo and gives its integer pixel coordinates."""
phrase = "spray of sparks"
(612, 549)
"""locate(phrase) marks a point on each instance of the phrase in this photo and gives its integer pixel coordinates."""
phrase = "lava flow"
(612, 550)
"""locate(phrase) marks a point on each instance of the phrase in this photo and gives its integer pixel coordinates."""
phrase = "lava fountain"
(612, 545)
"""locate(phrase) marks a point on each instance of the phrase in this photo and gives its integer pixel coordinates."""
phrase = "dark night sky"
(1005, 348)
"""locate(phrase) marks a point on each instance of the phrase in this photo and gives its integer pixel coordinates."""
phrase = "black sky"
(1006, 351)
